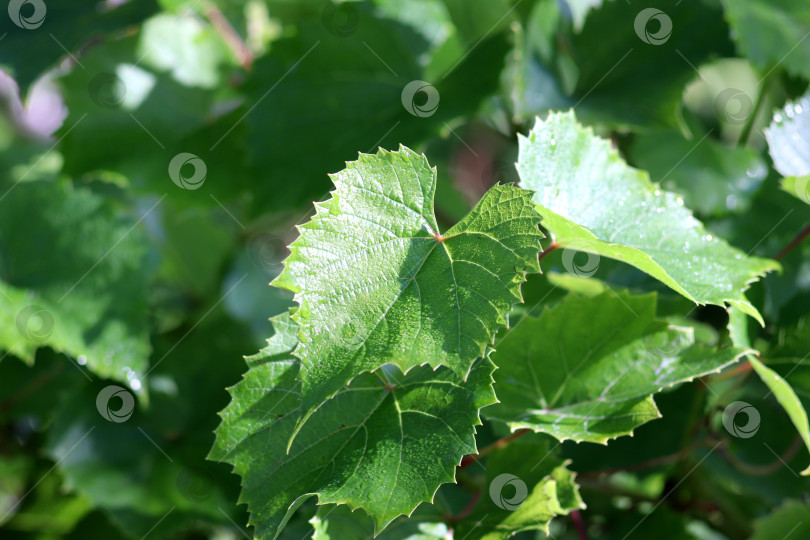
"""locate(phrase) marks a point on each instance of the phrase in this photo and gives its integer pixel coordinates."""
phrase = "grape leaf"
(377, 283)
(591, 200)
(85, 298)
(787, 137)
(772, 33)
(586, 369)
(526, 487)
(384, 443)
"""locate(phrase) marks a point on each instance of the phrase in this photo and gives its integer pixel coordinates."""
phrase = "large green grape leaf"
(587, 368)
(83, 294)
(384, 443)
(592, 201)
(789, 145)
(378, 283)
(772, 33)
(526, 486)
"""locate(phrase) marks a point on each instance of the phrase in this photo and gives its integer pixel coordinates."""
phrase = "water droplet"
(82, 360)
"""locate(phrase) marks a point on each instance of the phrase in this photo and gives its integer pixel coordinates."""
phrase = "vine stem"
(230, 36)
(579, 525)
(551, 247)
(733, 372)
(464, 511)
(500, 443)
(793, 243)
(768, 468)
(749, 123)
(654, 462)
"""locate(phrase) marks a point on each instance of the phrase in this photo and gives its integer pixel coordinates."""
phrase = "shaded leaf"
(587, 368)
(86, 298)
(526, 486)
(384, 443)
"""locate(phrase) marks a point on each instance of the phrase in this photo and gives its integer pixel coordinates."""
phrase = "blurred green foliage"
(121, 265)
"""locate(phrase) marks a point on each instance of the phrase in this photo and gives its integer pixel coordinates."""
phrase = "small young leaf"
(787, 361)
(378, 283)
(526, 487)
(384, 443)
(587, 368)
(591, 200)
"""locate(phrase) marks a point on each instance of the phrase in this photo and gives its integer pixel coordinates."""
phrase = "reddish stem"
(500, 443)
(230, 36)
(793, 243)
(579, 525)
(736, 370)
(465, 511)
(551, 247)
